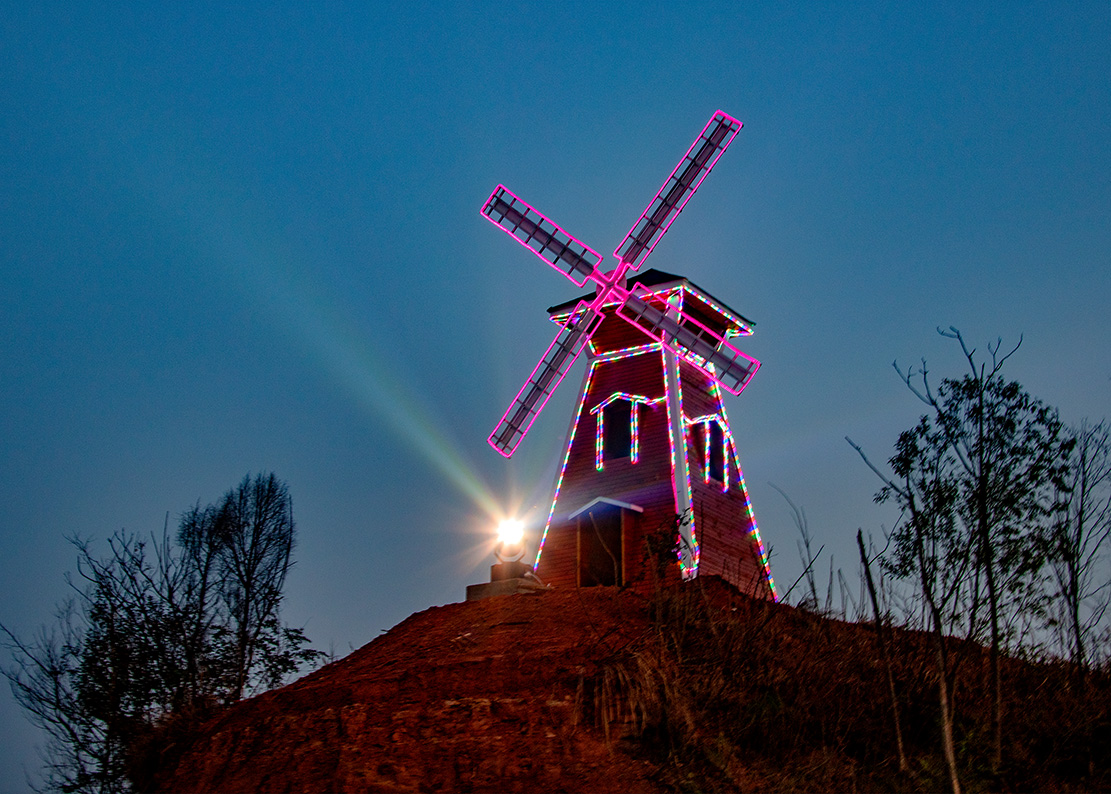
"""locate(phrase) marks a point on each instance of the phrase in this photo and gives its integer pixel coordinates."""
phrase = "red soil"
(478, 696)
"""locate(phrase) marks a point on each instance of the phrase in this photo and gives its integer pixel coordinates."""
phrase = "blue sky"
(246, 239)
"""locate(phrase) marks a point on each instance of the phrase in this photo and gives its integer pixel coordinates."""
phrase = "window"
(618, 437)
(617, 431)
(715, 457)
(710, 446)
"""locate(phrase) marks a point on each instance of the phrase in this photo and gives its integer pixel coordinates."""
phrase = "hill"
(600, 689)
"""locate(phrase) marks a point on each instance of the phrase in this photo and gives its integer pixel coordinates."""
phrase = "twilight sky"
(248, 239)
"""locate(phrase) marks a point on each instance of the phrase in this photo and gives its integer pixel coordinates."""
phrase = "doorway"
(601, 546)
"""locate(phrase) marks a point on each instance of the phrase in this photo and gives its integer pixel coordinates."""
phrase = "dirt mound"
(484, 695)
(694, 688)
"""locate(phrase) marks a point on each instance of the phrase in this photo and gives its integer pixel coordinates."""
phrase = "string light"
(726, 438)
(635, 401)
(688, 569)
(743, 328)
(625, 352)
(764, 562)
(563, 468)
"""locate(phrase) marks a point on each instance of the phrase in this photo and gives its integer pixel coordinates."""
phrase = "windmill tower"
(650, 439)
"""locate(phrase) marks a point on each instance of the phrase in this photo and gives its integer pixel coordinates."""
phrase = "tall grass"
(729, 693)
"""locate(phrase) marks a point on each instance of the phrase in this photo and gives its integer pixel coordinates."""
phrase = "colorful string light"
(635, 401)
(687, 571)
(726, 439)
(626, 352)
(566, 457)
(764, 562)
(729, 446)
(743, 328)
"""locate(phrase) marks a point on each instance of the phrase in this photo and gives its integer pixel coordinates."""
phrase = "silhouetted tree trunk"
(255, 524)
(1076, 543)
(1003, 452)
(884, 653)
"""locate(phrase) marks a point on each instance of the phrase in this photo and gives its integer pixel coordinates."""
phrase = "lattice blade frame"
(547, 375)
(541, 235)
(693, 341)
(677, 189)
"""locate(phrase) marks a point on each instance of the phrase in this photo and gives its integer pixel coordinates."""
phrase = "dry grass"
(728, 693)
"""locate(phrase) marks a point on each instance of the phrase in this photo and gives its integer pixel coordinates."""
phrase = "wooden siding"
(646, 483)
(726, 542)
(724, 527)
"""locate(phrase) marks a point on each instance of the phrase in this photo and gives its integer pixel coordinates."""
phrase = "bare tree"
(1077, 541)
(159, 631)
(255, 527)
(930, 547)
(80, 753)
(810, 599)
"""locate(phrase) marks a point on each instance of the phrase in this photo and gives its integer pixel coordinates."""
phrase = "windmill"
(650, 340)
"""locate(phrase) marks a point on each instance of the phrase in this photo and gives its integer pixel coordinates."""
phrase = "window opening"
(618, 438)
(715, 441)
(617, 432)
(715, 457)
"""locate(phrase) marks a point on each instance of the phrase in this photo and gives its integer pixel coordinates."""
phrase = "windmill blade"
(677, 189)
(532, 229)
(693, 341)
(532, 397)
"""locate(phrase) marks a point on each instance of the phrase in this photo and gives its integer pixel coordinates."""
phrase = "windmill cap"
(728, 320)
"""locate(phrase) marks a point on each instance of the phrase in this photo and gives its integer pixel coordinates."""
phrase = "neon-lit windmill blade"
(540, 235)
(533, 396)
(580, 263)
(677, 189)
(693, 341)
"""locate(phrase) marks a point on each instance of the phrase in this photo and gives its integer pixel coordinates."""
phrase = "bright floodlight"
(511, 532)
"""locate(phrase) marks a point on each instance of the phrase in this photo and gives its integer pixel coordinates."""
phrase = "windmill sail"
(532, 397)
(677, 190)
(693, 341)
(540, 235)
(686, 336)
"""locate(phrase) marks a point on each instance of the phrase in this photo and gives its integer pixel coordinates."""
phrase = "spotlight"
(510, 574)
(511, 540)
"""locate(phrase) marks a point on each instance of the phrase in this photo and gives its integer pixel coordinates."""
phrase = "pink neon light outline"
(626, 352)
(547, 394)
(566, 457)
(745, 328)
(648, 252)
(695, 551)
(546, 219)
(684, 319)
(607, 283)
(642, 292)
(764, 561)
(611, 283)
